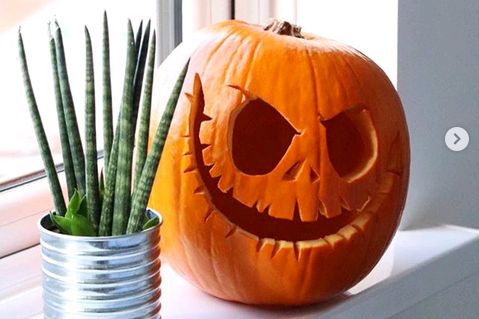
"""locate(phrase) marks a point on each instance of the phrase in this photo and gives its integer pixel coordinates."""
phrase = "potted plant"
(100, 251)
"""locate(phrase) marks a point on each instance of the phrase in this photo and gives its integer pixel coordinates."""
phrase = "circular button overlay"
(456, 139)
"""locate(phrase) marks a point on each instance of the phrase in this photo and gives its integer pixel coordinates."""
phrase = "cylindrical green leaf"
(139, 72)
(92, 186)
(143, 130)
(107, 104)
(66, 154)
(125, 146)
(45, 152)
(139, 32)
(70, 116)
(142, 191)
(109, 192)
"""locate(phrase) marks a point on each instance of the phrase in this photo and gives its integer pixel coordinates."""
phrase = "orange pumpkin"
(285, 171)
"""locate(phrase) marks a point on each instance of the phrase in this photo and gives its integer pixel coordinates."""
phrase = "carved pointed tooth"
(388, 183)
(348, 232)
(344, 203)
(335, 240)
(203, 117)
(358, 229)
(360, 209)
(260, 207)
(296, 213)
(225, 186)
(200, 189)
(332, 208)
(261, 242)
(208, 215)
(297, 250)
(276, 248)
(231, 231)
(321, 208)
(190, 168)
(362, 221)
(266, 210)
(189, 97)
(204, 146)
(187, 150)
(328, 241)
(215, 171)
(341, 235)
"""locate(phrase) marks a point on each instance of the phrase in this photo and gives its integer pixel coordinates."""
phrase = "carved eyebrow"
(245, 92)
(357, 108)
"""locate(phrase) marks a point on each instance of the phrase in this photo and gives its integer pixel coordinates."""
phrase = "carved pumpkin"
(285, 171)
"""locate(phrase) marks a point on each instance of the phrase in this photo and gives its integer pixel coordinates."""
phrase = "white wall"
(368, 25)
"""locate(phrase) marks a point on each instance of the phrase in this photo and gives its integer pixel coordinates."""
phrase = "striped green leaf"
(107, 104)
(92, 186)
(150, 223)
(108, 198)
(66, 154)
(139, 32)
(143, 130)
(70, 116)
(125, 146)
(142, 191)
(45, 151)
(139, 72)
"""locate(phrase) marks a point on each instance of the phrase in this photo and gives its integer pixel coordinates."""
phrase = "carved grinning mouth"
(248, 218)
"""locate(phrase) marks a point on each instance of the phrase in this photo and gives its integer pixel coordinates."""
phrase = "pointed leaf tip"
(87, 32)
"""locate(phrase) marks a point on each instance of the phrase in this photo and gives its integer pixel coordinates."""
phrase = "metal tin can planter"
(100, 277)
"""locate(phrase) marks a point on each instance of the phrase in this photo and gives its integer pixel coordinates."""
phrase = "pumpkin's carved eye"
(260, 137)
(352, 144)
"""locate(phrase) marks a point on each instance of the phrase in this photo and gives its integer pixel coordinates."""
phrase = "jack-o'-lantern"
(285, 171)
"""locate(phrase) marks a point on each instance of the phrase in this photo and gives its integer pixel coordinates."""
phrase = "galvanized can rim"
(45, 225)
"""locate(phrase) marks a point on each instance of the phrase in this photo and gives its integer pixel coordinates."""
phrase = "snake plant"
(113, 202)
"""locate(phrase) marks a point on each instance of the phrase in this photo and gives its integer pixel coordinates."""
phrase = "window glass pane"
(18, 149)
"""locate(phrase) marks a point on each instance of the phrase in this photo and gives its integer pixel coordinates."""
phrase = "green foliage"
(104, 205)
(151, 223)
(76, 221)
(45, 151)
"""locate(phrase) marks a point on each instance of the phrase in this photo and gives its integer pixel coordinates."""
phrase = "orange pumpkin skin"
(314, 221)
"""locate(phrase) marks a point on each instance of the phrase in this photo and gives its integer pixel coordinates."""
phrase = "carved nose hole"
(292, 173)
(313, 176)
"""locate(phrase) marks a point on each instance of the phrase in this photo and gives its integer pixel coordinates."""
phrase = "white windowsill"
(418, 264)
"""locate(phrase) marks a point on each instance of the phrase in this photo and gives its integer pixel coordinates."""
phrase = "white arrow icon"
(456, 139)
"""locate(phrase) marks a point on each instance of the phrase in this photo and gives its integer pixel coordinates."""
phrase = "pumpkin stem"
(284, 28)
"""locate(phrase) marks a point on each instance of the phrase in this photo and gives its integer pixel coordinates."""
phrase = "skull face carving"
(285, 171)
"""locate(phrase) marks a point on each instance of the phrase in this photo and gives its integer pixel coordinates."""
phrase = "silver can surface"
(100, 277)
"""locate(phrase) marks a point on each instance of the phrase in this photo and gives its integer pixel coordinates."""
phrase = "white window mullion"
(284, 10)
(262, 11)
(197, 14)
